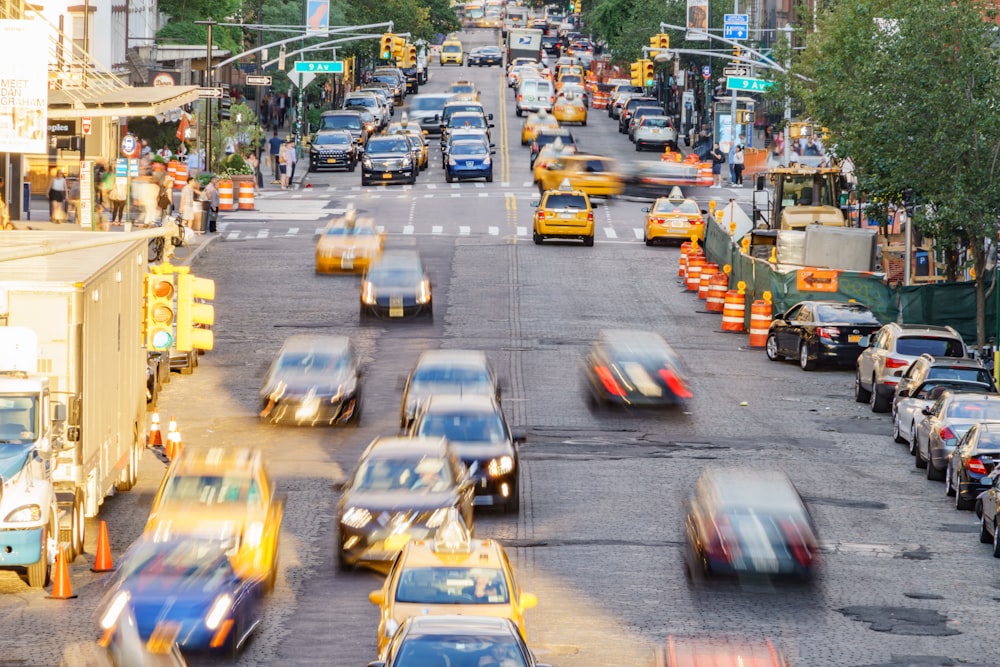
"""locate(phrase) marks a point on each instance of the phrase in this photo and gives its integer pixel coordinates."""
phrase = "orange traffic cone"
(102, 561)
(169, 444)
(62, 589)
(174, 445)
(155, 438)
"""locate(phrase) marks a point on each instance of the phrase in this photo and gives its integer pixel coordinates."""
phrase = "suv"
(369, 101)
(891, 350)
(633, 103)
(426, 109)
(345, 120)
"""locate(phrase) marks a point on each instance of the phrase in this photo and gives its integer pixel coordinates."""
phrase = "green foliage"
(156, 133)
(627, 25)
(234, 165)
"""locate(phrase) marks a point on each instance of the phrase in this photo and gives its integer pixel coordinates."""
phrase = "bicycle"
(179, 247)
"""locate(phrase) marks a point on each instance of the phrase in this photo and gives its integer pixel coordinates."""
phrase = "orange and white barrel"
(172, 168)
(707, 273)
(226, 195)
(733, 310)
(682, 264)
(705, 177)
(246, 196)
(715, 302)
(180, 175)
(695, 262)
(760, 322)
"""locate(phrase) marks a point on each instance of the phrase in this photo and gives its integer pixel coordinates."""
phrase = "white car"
(908, 405)
(655, 132)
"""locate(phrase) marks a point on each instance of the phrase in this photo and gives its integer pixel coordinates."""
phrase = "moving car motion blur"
(634, 368)
(461, 372)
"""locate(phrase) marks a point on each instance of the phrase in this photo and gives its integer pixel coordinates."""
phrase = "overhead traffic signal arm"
(192, 313)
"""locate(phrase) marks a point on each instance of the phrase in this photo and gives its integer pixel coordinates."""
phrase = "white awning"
(122, 101)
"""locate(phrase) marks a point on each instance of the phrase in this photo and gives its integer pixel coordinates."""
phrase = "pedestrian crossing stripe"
(610, 233)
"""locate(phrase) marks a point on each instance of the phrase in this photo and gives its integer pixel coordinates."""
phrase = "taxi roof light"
(676, 193)
(566, 186)
(452, 536)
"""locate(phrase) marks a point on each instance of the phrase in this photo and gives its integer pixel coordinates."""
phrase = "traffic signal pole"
(732, 93)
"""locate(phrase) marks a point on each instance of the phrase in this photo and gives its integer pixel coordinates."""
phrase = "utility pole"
(732, 104)
(260, 41)
(208, 100)
(788, 100)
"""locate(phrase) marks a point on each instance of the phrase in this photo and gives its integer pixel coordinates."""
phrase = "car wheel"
(648, 241)
(638, 148)
(805, 362)
(537, 238)
(352, 166)
(933, 473)
(918, 459)
(489, 177)
(984, 533)
(996, 540)
(588, 241)
(897, 435)
(861, 395)
(312, 168)
(584, 123)
(413, 179)
(363, 314)
(961, 503)
(513, 504)
(364, 181)
(342, 563)
(448, 177)
(879, 403)
(517, 112)
(771, 348)
(913, 440)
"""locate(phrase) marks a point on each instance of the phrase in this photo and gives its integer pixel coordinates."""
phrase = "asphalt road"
(904, 579)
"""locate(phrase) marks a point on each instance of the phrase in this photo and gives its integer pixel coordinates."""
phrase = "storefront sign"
(24, 82)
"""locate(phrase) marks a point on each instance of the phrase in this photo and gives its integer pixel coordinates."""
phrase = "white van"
(535, 94)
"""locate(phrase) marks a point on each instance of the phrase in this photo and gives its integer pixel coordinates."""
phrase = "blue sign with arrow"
(736, 26)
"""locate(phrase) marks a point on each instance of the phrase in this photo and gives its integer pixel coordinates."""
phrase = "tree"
(910, 89)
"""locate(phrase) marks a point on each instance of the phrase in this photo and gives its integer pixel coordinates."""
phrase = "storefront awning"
(122, 101)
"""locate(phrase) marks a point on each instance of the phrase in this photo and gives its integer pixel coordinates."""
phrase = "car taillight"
(798, 540)
(896, 363)
(828, 332)
(590, 216)
(675, 384)
(608, 380)
(520, 97)
(696, 221)
(722, 543)
(541, 215)
(976, 466)
(947, 434)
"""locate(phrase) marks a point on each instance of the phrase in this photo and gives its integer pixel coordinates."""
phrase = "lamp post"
(208, 100)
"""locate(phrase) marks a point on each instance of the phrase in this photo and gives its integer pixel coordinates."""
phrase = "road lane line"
(437, 229)
(493, 231)
(464, 231)
(292, 231)
(610, 233)
(408, 229)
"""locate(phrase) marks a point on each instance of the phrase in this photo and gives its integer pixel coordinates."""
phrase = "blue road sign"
(121, 167)
(706, 72)
(736, 26)
(320, 67)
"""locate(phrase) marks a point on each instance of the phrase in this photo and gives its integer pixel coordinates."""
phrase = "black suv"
(332, 149)
(630, 106)
(352, 121)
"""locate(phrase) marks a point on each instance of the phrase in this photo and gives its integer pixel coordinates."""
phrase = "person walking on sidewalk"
(718, 159)
(118, 194)
(187, 204)
(212, 200)
(274, 145)
(738, 157)
(293, 157)
(57, 197)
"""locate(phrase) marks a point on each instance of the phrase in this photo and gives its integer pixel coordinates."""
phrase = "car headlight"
(500, 466)
(487, 160)
(219, 611)
(424, 291)
(407, 161)
(366, 162)
(452, 162)
(356, 517)
(25, 514)
(253, 534)
(368, 293)
(110, 617)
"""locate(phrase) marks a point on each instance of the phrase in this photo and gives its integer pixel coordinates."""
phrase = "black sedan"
(749, 522)
(314, 380)
(969, 466)
(388, 159)
(820, 332)
(634, 368)
(465, 372)
(402, 489)
(396, 287)
(484, 56)
(333, 149)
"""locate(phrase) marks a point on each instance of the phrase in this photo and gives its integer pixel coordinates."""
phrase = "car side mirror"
(493, 145)
(529, 601)
(376, 597)
(865, 341)
(645, 209)
(519, 437)
(926, 410)
(534, 204)
(489, 117)
(493, 152)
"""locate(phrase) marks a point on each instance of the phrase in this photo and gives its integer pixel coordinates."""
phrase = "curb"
(195, 252)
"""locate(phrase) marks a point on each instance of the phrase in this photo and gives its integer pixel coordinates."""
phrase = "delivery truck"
(524, 43)
(85, 308)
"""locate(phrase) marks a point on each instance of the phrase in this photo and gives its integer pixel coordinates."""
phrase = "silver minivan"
(535, 94)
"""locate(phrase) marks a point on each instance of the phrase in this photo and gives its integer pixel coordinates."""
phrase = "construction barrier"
(600, 99)
(682, 263)
(180, 175)
(226, 195)
(705, 177)
(708, 271)
(246, 196)
(754, 161)
(716, 300)
(695, 262)
(733, 310)
(760, 322)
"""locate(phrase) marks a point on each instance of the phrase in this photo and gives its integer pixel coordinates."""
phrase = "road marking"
(455, 186)
(638, 231)
(456, 195)
(479, 185)
(408, 229)
(292, 231)
(319, 230)
(437, 229)
(262, 234)
(464, 231)
(522, 231)
(232, 236)
(494, 231)
(610, 233)
(527, 184)
(380, 228)
(432, 186)
(484, 194)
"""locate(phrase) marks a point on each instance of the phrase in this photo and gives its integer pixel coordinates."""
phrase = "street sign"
(320, 66)
(258, 80)
(130, 146)
(736, 26)
(307, 78)
(86, 125)
(735, 70)
(706, 72)
(210, 93)
(751, 85)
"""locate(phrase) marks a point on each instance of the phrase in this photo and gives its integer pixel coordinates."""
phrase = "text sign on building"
(24, 86)
(320, 66)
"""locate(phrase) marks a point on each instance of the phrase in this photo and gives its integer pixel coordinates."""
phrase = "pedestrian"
(164, 197)
(274, 149)
(188, 195)
(284, 165)
(99, 184)
(779, 147)
(57, 197)
(258, 180)
(738, 158)
(118, 194)
(292, 159)
(282, 108)
(182, 152)
(718, 159)
(165, 153)
(212, 200)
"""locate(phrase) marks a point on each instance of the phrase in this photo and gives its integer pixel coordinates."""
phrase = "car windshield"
(311, 363)
(425, 474)
(845, 313)
(461, 649)
(452, 585)
(571, 78)
(189, 560)
(400, 145)
(655, 121)
(395, 277)
(451, 48)
(340, 123)
(472, 148)
(914, 346)
(454, 375)
(566, 201)
(467, 121)
(211, 490)
(333, 140)
(427, 103)
(968, 373)
(671, 206)
(979, 409)
(464, 427)
(360, 102)
(462, 88)
(386, 78)
(924, 392)
(545, 138)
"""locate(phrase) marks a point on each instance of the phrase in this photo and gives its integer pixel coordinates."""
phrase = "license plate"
(331, 160)
(347, 262)
(677, 223)
(853, 338)
(386, 176)
(656, 131)
(395, 306)
(566, 216)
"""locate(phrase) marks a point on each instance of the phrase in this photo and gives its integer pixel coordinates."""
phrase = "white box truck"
(85, 308)
(524, 43)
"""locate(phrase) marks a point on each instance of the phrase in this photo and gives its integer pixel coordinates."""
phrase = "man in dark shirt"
(274, 147)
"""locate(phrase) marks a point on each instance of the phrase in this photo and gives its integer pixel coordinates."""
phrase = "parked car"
(987, 504)
(891, 350)
(970, 465)
(945, 423)
(929, 367)
(908, 405)
(820, 332)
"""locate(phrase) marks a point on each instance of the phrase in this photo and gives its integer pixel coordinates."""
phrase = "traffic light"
(385, 46)
(648, 75)
(736, 52)
(191, 312)
(411, 55)
(744, 116)
(398, 46)
(654, 42)
(158, 314)
(664, 41)
(636, 72)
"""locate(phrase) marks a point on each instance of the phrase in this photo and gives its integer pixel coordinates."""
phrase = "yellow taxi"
(594, 174)
(565, 213)
(569, 74)
(451, 52)
(403, 126)
(463, 90)
(533, 123)
(570, 108)
(223, 493)
(348, 243)
(452, 574)
(674, 218)
(548, 154)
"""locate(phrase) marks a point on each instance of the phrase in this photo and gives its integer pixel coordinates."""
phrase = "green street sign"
(320, 66)
(751, 85)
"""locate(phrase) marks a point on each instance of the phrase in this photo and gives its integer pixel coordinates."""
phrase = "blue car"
(469, 159)
(187, 590)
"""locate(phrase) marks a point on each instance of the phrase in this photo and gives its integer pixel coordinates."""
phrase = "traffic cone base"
(102, 560)
(62, 589)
